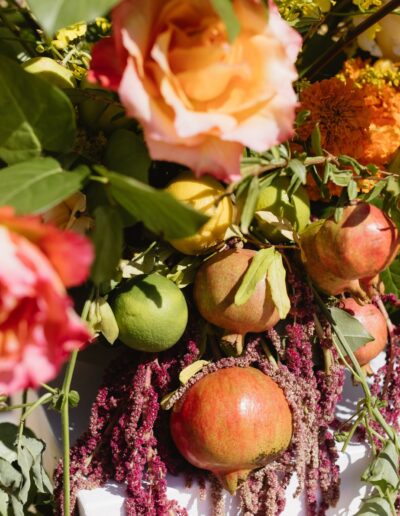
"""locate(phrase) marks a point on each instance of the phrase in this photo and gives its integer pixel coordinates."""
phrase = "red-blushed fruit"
(343, 256)
(361, 244)
(216, 284)
(232, 421)
(374, 322)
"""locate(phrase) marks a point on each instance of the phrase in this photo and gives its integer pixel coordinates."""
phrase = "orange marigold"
(340, 111)
(363, 122)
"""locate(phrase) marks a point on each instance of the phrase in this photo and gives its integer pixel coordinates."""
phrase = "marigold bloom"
(360, 120)
(340, 111)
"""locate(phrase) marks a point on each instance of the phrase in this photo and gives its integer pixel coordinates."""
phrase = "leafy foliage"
(44, 119)
(54, 15)
(23, 480)
(39, 184)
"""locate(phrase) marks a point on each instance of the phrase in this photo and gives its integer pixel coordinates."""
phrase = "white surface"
(109, 500)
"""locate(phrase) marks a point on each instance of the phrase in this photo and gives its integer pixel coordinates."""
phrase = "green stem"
(65, 429)
(351, 432)
(66, 387)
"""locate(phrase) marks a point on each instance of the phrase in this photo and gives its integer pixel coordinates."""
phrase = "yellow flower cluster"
(64, 37)
(366, 5)
(293, 9)
(378, 74)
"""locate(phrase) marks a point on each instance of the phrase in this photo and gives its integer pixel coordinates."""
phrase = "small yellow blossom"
(365, 5)
(64, 37)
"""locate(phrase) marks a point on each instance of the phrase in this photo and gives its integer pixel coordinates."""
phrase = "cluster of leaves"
(25, 487)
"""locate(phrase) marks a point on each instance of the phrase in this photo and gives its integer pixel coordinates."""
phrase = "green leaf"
(383, 472)
(8, 434)
(108, 241)
(4, 503)
(157, 209)
(127, 154)
(56, 14)
(10, 478)
(316, 141)
(378, 188)
(341, 177)
(39, 184)
(353, 331)
(254, 274)
(352, 190)
(276, 276)
(299, 170)
(224, 8)
(374, 506)
(35, 115)
(391, 278)
(16, 507)
(250, 204)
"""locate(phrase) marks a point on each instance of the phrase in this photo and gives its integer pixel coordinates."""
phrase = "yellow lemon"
(205, 195)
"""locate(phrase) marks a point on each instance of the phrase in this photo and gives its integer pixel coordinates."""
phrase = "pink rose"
(199, 98)
(38, 326)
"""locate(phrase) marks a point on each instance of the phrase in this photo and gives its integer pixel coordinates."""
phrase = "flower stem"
(65, 429)
(66, 387)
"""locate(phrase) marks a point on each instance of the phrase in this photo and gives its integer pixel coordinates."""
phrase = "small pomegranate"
(374, 322)
(216, 284)
(337, 255)
(231, 422)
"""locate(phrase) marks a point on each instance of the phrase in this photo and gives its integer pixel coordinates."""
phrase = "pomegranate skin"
(362, 244)
(216, 284)
(374, 322)
(232, 421)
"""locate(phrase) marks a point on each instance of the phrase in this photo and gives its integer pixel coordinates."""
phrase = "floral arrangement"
(214, 187)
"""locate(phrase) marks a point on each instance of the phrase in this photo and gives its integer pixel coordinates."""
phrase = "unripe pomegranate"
(374, 322)
(232, 421)
(216, 284)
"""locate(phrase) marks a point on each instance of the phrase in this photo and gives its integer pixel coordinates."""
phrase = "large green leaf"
(158, 210)
(353, 331)
(127, 154)
(39, 184)
(55, 14)
(108, 241)
(35, 115)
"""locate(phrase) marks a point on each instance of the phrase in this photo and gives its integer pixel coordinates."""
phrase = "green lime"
(274, 198)
(151, 313)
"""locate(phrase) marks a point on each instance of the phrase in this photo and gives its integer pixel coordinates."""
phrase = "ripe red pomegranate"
(216, 284)
(374, 322)
(231, 422)
(339, 254)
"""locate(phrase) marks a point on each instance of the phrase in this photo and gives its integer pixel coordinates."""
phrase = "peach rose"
(200, 98)
(38, 326)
